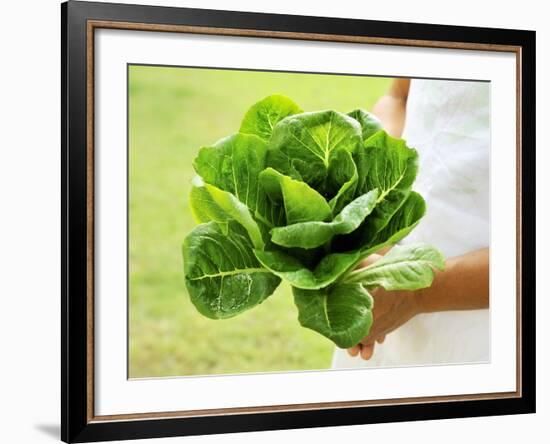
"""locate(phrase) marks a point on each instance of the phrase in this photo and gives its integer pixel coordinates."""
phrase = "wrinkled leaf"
(301, 202)
(402, 222)
(209, 203)
(314, 234)
(222, 275)
(262, 117)
(342, 313)
(369, 122)
(390, 166)
(341, 180)
(289, 268)
(404, 267)
(304, 145)
(233, 164)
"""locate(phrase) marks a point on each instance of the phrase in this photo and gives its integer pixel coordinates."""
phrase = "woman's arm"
(391, 107)
(463, 285)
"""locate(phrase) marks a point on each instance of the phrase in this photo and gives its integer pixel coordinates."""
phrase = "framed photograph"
(274, 221)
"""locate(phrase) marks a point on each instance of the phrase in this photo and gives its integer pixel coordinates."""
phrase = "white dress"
(448, 122)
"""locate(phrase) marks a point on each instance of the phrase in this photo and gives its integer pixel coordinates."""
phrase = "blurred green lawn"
(172, 113)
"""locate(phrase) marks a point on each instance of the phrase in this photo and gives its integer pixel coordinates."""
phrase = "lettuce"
(304, 197)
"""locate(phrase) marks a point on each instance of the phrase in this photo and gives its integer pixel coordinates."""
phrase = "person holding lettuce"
(448, 123)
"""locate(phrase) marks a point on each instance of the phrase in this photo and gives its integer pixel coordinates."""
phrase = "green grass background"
(172, 113)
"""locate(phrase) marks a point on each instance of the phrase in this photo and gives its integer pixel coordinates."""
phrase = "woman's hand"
(464, 285)
(391, 310)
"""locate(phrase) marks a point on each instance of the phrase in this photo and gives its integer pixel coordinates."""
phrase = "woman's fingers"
(381, 339)
(367, 351)
(354, 351)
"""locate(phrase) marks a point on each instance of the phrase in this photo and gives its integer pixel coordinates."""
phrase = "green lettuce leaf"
(369, 122)
(233, 164)
(341, 180)
(404, 267)
(389, 165)
(315, 234)
(292, 270)
(405, 219)
(222, 274)
(401, 224)
(262, 117)
(301, 202)
(342, 312)
(304, 145)
(209, 203)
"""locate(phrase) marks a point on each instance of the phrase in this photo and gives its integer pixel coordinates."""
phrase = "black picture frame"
(76, 423)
